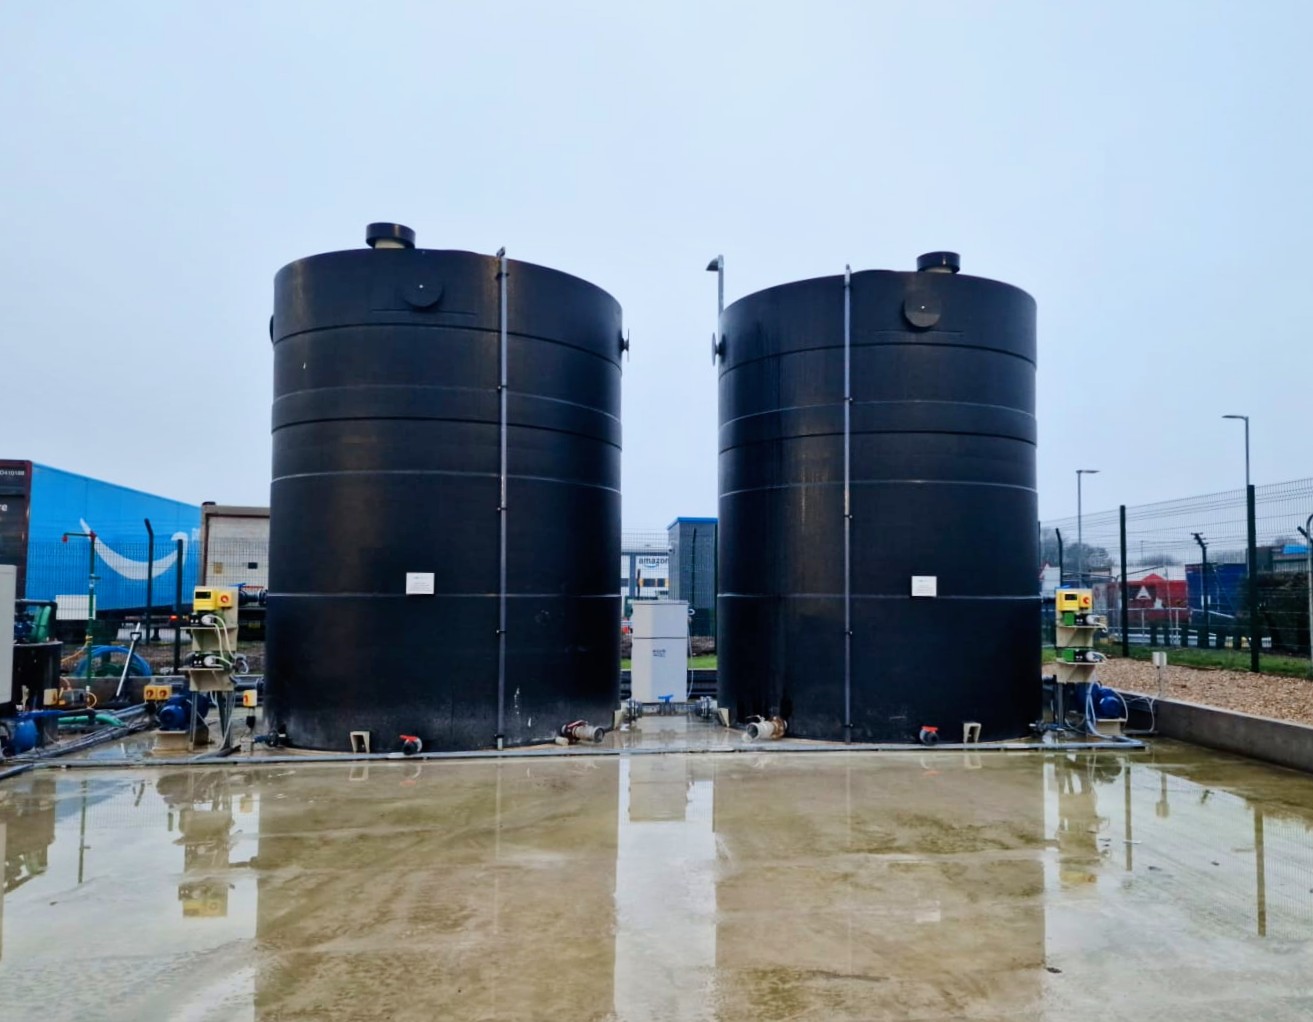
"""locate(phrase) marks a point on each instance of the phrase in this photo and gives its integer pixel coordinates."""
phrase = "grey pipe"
(1124, 745)
(847, 507)
(134, 638)
(501, 507)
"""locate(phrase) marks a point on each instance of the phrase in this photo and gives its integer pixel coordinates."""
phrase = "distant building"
(693, 570)
(1287, 558)
(234, 545)
(644, 567)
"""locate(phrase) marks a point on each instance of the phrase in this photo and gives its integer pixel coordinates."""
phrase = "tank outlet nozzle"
(385, 235)
(582, 731)
(939, 262)
(761, 728)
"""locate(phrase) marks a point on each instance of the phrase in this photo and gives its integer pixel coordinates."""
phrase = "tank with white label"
(445, 508)
(878, 567)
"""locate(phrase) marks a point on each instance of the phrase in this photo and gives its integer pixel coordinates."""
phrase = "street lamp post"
(1245, 419)
(1080, 534)
(1251, 557)
(717, 266)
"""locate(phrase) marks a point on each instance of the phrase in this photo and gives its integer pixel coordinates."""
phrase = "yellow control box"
(210, 598)
(250, 698)
(1076, 600)
(156, 693)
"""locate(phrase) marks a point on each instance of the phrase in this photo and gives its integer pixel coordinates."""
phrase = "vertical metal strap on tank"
(501, 506)
(847, 504)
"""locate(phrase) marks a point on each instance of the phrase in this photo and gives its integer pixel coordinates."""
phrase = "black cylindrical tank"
(942, 485)
(385, 550)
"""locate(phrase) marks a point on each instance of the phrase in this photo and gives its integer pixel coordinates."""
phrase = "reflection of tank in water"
(27, 830)
(29, 819)
(379, 883)
(879, 882)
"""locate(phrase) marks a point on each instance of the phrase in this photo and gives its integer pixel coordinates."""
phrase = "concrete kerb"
(1271, 741)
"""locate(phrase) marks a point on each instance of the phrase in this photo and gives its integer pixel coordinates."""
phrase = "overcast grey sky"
(1143, 169)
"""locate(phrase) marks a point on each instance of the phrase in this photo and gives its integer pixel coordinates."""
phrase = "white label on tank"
(925, 585)
(419, 583)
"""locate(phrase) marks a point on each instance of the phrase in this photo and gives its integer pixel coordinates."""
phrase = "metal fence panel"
(1169, 589)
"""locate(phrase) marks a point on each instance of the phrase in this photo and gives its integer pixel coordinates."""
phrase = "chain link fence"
(239, 563)
(135, 581)
(127, 578)
(1184, 578)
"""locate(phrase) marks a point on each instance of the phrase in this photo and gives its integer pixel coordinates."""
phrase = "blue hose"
(138, 666)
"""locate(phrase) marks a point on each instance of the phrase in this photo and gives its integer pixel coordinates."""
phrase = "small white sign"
(72, 608)
(925, 585)
(419, 583)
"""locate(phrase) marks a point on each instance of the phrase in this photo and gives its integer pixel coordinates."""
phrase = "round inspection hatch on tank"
(921, 310)
(422, 294)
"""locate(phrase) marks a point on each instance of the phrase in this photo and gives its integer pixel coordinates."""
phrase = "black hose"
(89, 741)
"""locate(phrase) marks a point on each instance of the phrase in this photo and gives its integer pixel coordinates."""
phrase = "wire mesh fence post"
(1182, 595)
(1255, 630)
(150, 581)
(1126, 592)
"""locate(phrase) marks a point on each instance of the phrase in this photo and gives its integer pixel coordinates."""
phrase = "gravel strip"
(1264, 695)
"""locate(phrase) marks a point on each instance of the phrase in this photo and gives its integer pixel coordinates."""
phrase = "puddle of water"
(755, 886)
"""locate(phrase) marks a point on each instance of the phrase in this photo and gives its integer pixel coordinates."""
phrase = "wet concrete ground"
(1173, 884)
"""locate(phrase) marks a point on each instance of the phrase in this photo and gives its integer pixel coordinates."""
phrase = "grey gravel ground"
(1264, 695)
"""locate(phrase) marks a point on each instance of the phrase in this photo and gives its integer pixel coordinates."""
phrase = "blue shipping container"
(1226, 598)
(39, 505)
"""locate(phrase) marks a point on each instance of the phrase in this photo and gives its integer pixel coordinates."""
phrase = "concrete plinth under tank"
(643, 887)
